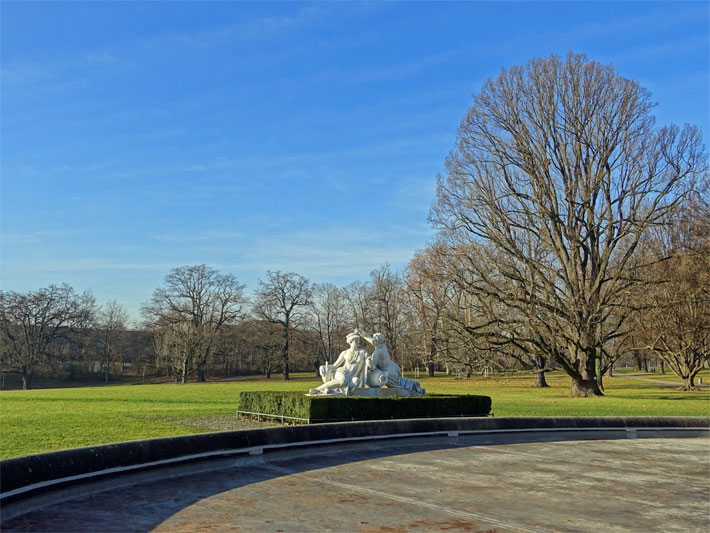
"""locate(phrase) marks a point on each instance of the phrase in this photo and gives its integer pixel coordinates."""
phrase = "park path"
(587, 486)
(657, 381)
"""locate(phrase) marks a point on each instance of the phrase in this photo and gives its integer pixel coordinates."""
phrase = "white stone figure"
(347, 373)
(359, 374)
(384, 371)
(381, 369)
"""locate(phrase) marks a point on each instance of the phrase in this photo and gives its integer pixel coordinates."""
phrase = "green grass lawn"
(51, 419)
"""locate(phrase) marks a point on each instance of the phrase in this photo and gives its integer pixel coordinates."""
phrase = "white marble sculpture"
(346, 374)
(356, 373)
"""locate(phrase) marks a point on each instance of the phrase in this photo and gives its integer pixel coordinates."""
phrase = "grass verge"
(51, 419)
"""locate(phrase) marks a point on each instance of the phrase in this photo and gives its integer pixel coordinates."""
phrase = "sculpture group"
(357, 373)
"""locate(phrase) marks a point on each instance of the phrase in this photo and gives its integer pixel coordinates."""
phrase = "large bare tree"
(111, 323)
(558, 172)
(176, 344)
(387, 297)
(673, 317)
(464, 328)
(33, 324)
(283, 299)
(358, 295)
(331, 316)
(192, 306)
(265, 343)
(429, 289)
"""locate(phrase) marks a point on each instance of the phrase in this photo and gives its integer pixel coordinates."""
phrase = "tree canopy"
(557, 174)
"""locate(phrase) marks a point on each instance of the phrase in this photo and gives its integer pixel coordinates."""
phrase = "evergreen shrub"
(338, 408)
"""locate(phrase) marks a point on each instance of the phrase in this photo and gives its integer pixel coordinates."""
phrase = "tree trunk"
(598, 371)
(108, 361)
(201, 375)
(637, 362)
(584, 388)
(430, 368)
(540, 364)
(661, 366)
(689, 384)
(26, 380)
(540, 381)
(284, 355)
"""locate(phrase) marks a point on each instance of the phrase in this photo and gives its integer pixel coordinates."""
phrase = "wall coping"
(29, 475)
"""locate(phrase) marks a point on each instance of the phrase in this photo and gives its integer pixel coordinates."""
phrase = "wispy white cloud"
(82, 264)
(206, 236)
(153, 135)
(98, 57)
(114, 170)
(658, 50)
(38, 237)
(640, 24)
(22, 171)
(377, 145)
(33, 72)
(335, 253)
(253, 29)
(339, 254)
(577, 37)
(52, 74)
(392, 72)
(26, 72)
(415, 192)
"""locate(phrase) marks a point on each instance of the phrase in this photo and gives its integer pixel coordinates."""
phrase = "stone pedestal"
(384, 392)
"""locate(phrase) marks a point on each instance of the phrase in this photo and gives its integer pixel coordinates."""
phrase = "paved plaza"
(598, 485)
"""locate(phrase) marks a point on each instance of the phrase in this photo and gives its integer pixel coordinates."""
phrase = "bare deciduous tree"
(111, 322)
(32, 324)
(283, 299)
(430, 290)
(674, 317)
(175, 344)
(193, 305)
(331, 318)
(388, 307)
(559, 172)
(358, 295)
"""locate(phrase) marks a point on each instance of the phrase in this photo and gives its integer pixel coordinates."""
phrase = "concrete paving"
(600, 485)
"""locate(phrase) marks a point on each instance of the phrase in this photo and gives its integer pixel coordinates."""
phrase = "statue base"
(370, 392)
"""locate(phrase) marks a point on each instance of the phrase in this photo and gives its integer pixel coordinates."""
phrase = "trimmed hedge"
(333, 409)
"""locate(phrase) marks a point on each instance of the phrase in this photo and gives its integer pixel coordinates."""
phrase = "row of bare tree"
(199, 318)
(433, 313)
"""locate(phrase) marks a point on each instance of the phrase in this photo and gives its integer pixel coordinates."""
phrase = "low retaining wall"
(44, 478)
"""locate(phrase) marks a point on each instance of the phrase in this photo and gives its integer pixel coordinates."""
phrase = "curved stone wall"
(36, 480)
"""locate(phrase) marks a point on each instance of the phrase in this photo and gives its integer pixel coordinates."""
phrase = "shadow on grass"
(681, 395)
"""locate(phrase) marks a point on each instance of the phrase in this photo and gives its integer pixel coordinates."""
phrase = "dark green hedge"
(331, 409)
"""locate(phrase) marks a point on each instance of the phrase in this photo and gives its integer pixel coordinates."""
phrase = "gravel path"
(658, 381)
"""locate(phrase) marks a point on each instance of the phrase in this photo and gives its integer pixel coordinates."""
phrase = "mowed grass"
(52, 419)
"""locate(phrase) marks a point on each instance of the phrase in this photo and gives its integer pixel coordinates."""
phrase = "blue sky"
(306, 137)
